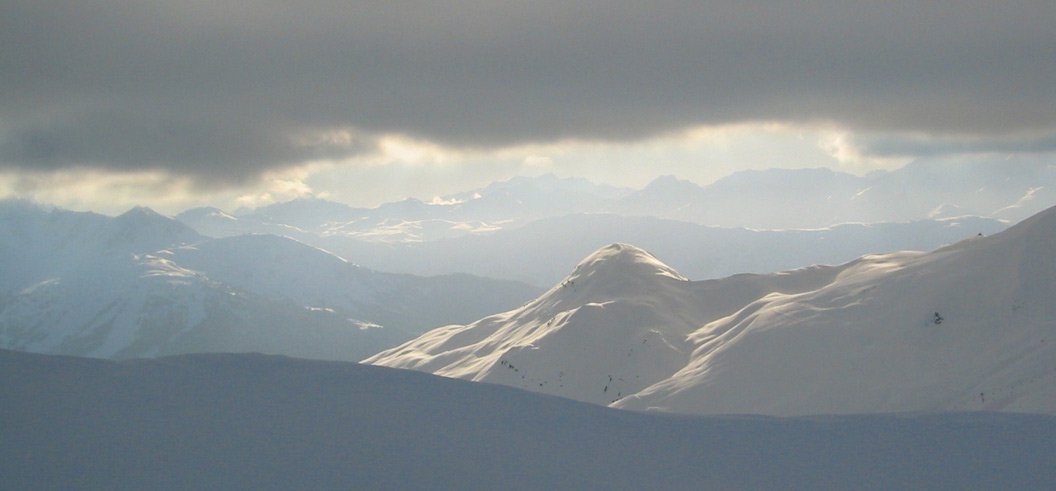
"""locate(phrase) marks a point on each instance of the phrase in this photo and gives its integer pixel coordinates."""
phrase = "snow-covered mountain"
(37, 243)
(149, 306)
(966, 327)
(142, 284)
(618, 324)
(265, 422)
(544, 248)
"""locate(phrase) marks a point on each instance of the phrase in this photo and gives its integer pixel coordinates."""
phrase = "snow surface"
(265, 422)
(627, 330)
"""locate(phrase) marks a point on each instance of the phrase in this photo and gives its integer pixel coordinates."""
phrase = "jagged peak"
(142, 216)
(140, 211)
(144, 224)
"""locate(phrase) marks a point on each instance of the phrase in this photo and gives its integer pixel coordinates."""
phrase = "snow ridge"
(965, 327)
(618, 323)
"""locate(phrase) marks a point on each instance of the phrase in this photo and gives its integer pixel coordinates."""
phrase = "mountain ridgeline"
(965, 327)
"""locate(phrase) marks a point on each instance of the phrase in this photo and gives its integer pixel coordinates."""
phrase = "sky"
(105, 104)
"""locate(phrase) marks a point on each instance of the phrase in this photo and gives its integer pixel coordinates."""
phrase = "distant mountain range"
(965, 327)
(501, 204)
(141, 284)
(751, 221)
(762, 200)
(540, 252)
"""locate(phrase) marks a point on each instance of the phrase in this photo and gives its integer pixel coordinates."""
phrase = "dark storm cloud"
(222, 89)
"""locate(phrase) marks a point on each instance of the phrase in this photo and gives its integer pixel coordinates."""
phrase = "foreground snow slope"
(626, 329)
(265, 422)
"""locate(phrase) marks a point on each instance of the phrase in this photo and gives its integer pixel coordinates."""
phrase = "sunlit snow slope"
(967, 327)
(619, 323)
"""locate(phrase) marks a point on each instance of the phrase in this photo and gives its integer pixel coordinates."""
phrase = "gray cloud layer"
(221, 89)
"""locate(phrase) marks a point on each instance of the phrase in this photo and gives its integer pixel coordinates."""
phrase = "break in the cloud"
(224, 91)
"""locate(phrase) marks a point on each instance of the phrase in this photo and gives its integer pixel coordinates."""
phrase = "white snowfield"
(971, 326)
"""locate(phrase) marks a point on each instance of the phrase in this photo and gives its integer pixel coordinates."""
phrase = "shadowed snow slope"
(142, 284)
(283, 268)
(966, 327)
(267, 422)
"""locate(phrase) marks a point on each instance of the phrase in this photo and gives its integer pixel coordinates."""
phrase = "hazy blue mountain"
(503, 204)
(142, 284)
(542, 251)
(812, 198)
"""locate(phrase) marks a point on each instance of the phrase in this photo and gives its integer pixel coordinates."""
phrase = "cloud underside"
(227, 90)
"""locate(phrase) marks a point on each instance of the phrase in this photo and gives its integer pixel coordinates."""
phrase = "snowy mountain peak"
(617, 324)
(621, 261)
(614, 272)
